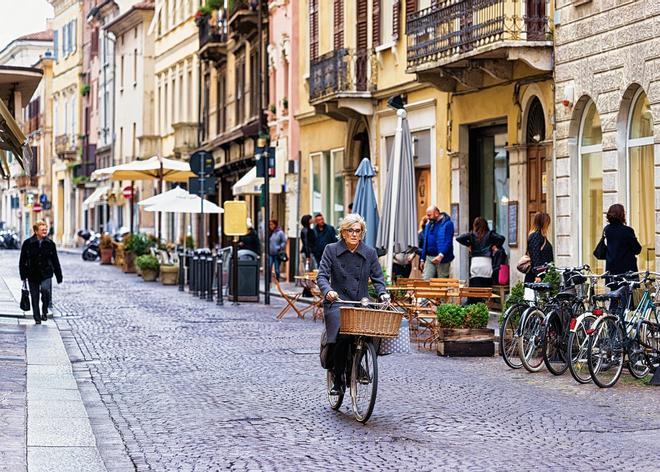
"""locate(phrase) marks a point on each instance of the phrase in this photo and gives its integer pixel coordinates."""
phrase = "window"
(135, 65)
(121, 144)
(205, 106)
(254, 81)
(173, 89)
(166, 115)
(328, 179)
(189, 89)
(134, 140)
(641, 191)
(55, 118)
(591, 181)
(56, 45)
(338, 185)
(221, 102)
(121, 74)
(313, 29)
(159, 112)
(240, 84)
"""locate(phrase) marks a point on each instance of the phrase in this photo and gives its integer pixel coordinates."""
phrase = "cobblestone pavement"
(192, 386)
(13, 397)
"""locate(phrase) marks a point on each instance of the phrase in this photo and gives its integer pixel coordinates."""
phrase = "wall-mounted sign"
(512, 220)
(454, 216)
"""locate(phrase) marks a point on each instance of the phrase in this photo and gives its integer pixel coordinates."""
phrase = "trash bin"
(248, 280)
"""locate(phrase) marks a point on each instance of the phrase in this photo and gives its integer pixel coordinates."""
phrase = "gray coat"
(348, 274)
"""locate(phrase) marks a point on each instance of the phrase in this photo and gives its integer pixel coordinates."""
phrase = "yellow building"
(67, 127)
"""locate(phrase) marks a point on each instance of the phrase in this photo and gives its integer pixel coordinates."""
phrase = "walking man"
(325, 234)
(37, 265)
(438, 248)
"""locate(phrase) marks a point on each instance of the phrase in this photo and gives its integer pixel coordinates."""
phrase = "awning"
(11, 136)
(250, 184)
(96, 196)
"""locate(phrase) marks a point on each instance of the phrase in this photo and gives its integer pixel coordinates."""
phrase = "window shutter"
(339, 24)
(411, 7)
(376, 38)
(73, 35)
(362, 24)
(396, 20)
(55, 45)
(313, 29)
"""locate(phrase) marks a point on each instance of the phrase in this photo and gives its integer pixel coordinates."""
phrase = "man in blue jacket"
(325, 234)
(438, 248)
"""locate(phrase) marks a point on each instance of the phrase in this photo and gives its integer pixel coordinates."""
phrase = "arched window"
(591, 181)
(641, 201)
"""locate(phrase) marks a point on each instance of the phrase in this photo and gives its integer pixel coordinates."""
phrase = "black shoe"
(337, 389)
(37, 321)
(44, 317)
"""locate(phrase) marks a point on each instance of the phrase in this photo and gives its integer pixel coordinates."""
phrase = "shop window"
(591, 181)
(641, 191)
(328, 180)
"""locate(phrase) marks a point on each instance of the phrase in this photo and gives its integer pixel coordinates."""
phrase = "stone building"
(607, 124)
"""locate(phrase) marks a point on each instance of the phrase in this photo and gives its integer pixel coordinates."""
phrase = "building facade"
(608, 125)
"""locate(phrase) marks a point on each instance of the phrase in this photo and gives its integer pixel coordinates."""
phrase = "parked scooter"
(9, 239)
(91, 250)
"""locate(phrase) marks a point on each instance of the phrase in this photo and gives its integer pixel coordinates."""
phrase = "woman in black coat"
(539, 248)
(622, 244)
(344, 273)
(308, 239)
(481, 241)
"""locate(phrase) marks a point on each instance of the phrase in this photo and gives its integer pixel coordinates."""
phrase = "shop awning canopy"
(97, 196)
(250, 184)
(11, 139)
(153, 168)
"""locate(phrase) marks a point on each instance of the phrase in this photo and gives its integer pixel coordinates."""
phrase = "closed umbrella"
(397, 231)
(365, 200)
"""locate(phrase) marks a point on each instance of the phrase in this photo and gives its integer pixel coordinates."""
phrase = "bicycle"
(615, 336)
(361, 370)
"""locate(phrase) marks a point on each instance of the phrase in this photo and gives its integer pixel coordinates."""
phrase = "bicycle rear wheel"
(364, 381)
(606, 353)
(530, 342)
(555, 356)
(637, 360)
(578, 347)
(509, 336)
(334, 400)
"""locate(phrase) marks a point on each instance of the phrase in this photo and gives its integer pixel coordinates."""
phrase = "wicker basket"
(366, 322)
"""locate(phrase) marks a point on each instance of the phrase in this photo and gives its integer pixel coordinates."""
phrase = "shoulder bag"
(600, 252)
(524, 264)
(25, 297)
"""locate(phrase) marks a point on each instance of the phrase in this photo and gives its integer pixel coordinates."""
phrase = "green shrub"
(516, 295)
(138, 244)
(476, 316)
(553, 277)
(450, 316)
(147, 262)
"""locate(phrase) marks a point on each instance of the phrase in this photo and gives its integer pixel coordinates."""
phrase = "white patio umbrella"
(176, 191)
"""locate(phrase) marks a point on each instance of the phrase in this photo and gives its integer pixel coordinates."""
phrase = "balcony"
(342, 82)
(243, 18)
(149, 146)
(24, 182)
(185, 138)
(213, 38)
(65, 147)
(460, 42)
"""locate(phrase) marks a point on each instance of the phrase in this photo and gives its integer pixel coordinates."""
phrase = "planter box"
(149, 275)
(469, 342)
(129, 262)
(106, 256)
(169, 274)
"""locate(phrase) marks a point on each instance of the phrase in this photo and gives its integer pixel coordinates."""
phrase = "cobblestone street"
(189, 385)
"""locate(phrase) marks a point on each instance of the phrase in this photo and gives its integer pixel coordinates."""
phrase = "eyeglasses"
(353, 231)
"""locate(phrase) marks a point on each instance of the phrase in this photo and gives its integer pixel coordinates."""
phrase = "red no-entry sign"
(128, 192)
(36, 207)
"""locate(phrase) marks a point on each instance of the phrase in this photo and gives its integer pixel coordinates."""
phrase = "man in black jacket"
(37, 265)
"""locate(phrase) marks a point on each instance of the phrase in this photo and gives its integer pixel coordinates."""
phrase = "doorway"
(537, 175)
(489, 177)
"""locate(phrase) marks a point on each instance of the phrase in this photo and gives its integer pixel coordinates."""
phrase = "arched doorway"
(641, 191)
(537, 177)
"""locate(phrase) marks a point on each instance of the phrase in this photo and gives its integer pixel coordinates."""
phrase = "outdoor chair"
(289, 297)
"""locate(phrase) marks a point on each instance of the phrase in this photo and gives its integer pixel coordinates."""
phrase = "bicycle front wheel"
(578, 347)
(530, 342)
(364, 381)
(606, 353)
(334, 400)
(509, 336)
(555, 356)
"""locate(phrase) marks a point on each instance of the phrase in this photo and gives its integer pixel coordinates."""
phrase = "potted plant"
(135, 245)
(462, 331)
(106, 248)
(148, 264)
(169, 274)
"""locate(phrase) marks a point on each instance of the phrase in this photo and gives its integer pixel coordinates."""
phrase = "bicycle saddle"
(566, 296)
(616, 295)
(538, 286)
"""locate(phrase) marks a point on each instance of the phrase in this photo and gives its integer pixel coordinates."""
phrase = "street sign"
(43, 198)
(36, 207)
(235, 218)
(127, 192)
(202, 163)
(47, 206)
(195, 186)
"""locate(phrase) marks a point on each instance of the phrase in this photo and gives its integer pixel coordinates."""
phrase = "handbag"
(398, 345)
(324, 353)
(600, 252)
(25, 297)
(524, 264)
(282, 257)
(503, 275)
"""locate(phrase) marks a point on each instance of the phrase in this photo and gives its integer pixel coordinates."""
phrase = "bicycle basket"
(368, 322)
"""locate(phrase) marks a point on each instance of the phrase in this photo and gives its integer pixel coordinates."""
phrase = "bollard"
(220, 281)
(201, 281)
(211, 272)
(193, 273)
(205, 276)
(182, 270)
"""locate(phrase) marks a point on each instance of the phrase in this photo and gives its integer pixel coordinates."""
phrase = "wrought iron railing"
(454, 27)
(209, 32)
(341, 70)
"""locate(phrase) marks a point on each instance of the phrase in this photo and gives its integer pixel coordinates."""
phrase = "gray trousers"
(436, 271)
(43, 288)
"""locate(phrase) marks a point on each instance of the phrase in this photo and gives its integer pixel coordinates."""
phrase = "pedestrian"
(308, 240)
(325, 234)
(438, 248)
(402, 264)
(420, 240)
(481, 242)
(250, 241)
(37, 265)
(539, 249)
(621, 243)
(344, 273)
(276, 247)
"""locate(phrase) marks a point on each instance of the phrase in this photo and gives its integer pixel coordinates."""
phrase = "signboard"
(195, 186)
(36, 207)
(512, 221)
(202, 163)
(127, 192)
(454, 216)
(235, 218)
(43, 198)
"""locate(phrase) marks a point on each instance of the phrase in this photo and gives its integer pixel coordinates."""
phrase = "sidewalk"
(44, 425)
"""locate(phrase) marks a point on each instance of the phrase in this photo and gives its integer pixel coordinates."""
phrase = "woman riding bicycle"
(344, 273)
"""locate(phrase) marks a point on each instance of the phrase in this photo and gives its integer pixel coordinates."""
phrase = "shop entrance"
(489, 177)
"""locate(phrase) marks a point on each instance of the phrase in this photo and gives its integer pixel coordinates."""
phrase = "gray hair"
(349, 220)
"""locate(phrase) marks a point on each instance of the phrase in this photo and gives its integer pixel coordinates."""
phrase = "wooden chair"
(289, 297)
(480, 293)
(316, 307)
(501, 291)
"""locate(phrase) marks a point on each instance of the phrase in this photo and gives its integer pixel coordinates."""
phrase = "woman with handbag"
(539, 249)
(276, 247)
(481, 241)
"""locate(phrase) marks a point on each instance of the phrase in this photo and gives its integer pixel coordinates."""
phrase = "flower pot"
(129, 262)
(169, 274)
(106, 256)
(119, 255)
(149, 275)
(466, 342)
